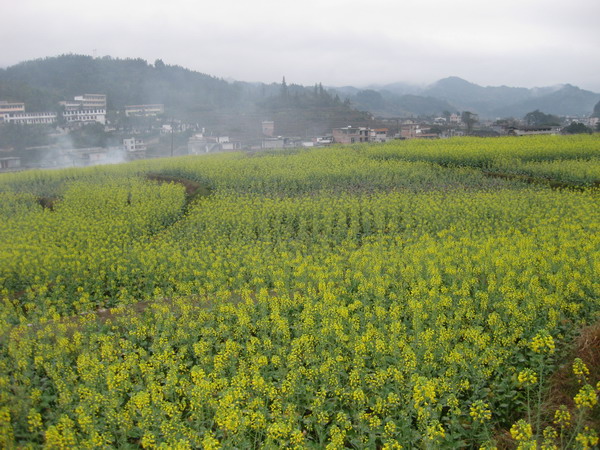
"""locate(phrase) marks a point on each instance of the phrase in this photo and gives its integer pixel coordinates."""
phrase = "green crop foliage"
(350, 297)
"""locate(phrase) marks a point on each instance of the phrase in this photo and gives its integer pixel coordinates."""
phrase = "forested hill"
(186, 94)
(41, 83)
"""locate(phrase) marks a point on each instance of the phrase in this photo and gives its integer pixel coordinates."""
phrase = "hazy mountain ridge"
(502, 101)
(198, 97)
(385, 103)
(489, 102)
(470, 96)
(457, 94)
(568, 100)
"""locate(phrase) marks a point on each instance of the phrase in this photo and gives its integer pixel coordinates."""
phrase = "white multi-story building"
(135, 148)
(70, 105)
(85, 116)
(133, 144)
(11, 107)
(7, 108)
(92, 101)
(33, 118)
(588, 121)
(455, 118)
(86, 108)
(85, 101)
(527, 131)
(378, 135)
(144, 110)
(350, 135)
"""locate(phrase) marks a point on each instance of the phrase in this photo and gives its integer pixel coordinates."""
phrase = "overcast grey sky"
(337, 42)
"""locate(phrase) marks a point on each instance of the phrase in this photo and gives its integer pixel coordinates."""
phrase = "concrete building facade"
(10, 163)
(268, 128)
(84, 102)
(85, 116)
(350, 135)
(144, 110)
(378, 135)
(34, 118)
(11, 108)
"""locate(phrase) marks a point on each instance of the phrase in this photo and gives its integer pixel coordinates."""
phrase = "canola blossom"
(384, 296)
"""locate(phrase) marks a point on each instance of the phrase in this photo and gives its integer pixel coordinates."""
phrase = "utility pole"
(171, 137)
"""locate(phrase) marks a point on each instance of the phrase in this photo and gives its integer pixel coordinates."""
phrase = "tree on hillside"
(41, 84)
(284, 89)
(370, 99)
(18, 137)
(577, 128)
(507, 122)
(88, 135)
(596, 112)
(539, 119)
(469, 119)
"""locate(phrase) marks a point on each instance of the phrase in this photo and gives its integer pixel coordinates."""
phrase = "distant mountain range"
(236, 107)
(455, 94)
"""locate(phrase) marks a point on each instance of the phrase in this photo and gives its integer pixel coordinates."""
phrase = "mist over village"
(73, 110)
(180, 81)
(325, 224)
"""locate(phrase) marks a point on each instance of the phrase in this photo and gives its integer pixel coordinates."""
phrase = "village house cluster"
(86, 108)
(71, 114)
(92, 108)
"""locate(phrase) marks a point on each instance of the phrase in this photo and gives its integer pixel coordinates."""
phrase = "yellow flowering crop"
(480, 411)
(521, 431)
(580, 369)
(586, 397)
(387, 296)
(588, 438)
(543, 343)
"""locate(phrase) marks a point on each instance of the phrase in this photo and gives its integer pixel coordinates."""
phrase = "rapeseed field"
(418, 294)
